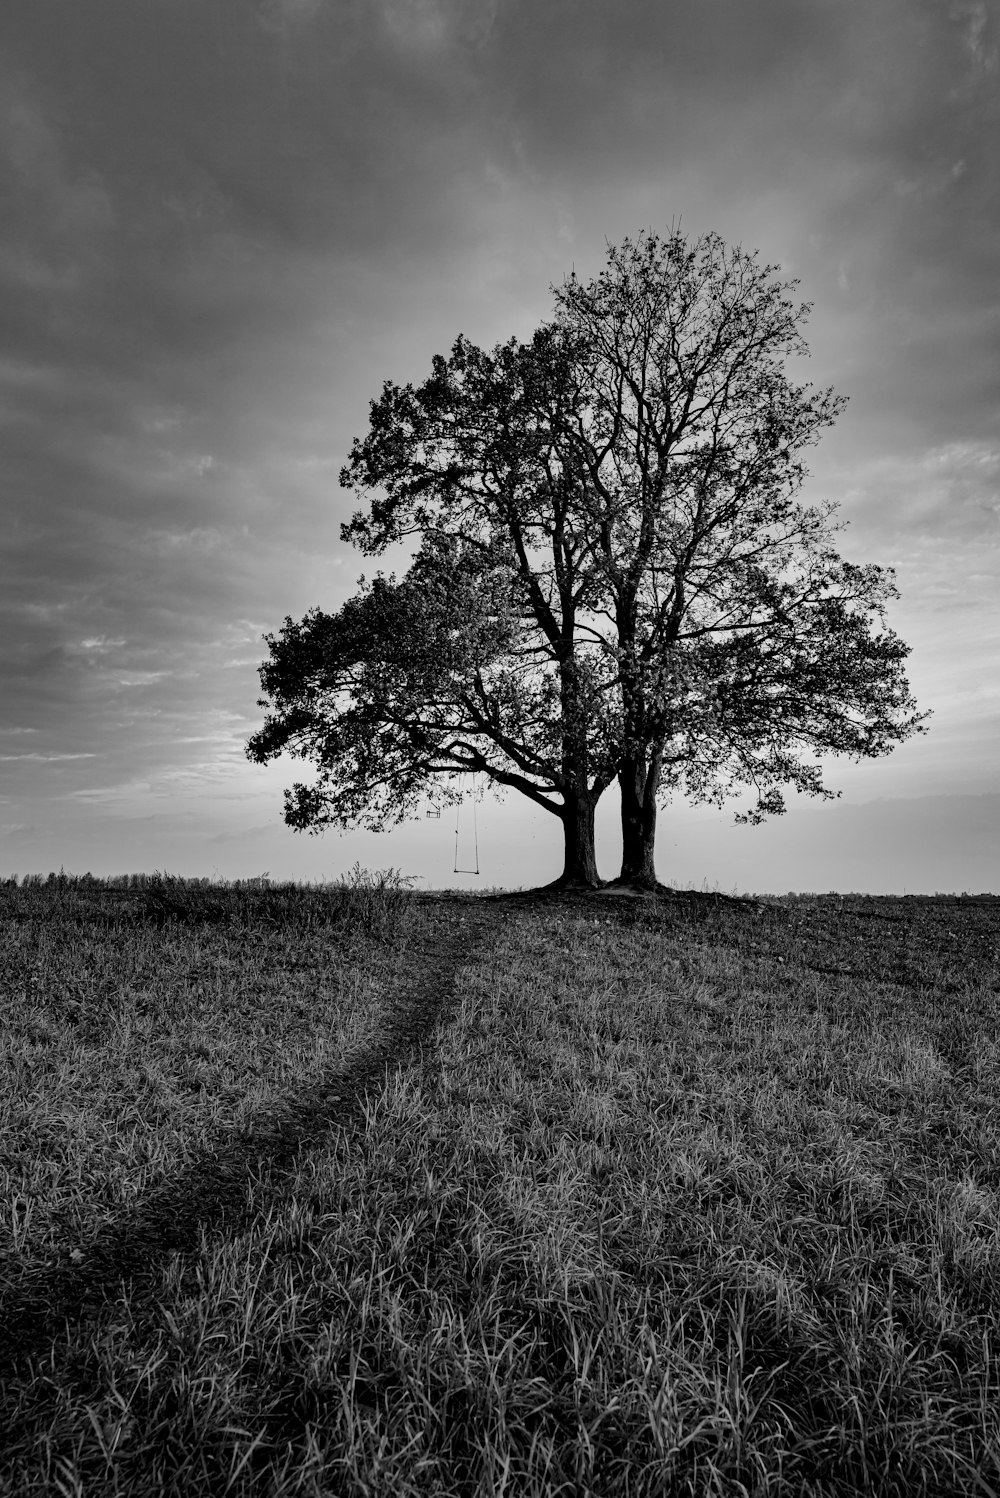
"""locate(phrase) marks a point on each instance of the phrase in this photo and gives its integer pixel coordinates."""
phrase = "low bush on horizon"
(694, 1196)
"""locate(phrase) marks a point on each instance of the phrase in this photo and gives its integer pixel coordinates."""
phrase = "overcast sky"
(223, 223)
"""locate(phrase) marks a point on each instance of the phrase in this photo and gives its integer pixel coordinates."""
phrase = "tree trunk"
(639, 782)
(579, 803)
(580, 861)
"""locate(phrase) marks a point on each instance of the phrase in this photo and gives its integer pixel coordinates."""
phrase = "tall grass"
(146, 1021)
(694, 1197)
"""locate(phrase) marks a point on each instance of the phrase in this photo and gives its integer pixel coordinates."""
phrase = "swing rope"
(475, 832)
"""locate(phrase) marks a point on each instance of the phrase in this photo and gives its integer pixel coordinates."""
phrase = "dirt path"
(211, 1192)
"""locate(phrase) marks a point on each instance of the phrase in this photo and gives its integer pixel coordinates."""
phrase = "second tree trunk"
(638, 781)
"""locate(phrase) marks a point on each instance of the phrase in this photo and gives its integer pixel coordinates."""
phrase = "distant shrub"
(360, 905)
(361, 902)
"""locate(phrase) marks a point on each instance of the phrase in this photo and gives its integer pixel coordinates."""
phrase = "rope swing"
(475, 831)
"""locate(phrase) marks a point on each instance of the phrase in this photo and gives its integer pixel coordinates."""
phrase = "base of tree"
(636, 887)
(568, 884)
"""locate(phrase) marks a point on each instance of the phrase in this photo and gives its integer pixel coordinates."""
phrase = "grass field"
(354, 1191)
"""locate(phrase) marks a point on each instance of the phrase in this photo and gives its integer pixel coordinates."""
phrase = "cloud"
(950, 490)
(100, 644)
(46, 759)
(972, 19)
(63, 209)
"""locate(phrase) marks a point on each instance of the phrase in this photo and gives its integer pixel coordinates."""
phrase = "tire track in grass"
(212, 1192)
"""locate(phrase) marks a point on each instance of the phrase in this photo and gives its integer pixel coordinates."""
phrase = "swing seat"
(475, 832)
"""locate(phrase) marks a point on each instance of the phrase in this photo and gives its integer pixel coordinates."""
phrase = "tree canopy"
(616, 575)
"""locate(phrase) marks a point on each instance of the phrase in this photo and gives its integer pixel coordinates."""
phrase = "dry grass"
(689, 1196)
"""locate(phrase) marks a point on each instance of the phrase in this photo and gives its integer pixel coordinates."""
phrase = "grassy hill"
(348, 1190)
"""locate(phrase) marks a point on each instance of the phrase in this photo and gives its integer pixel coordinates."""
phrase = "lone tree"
(615, 577)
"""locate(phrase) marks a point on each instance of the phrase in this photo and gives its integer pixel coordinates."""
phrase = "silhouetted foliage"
(616, 574)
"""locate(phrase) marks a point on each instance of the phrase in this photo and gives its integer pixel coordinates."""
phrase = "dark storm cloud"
(222, 225)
